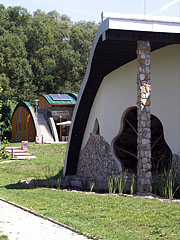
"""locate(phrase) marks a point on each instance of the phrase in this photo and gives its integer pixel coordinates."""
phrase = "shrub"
(4, 155)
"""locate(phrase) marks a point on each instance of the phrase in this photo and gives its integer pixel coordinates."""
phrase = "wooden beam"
(126, 152)
(157, 140)
(132, 126)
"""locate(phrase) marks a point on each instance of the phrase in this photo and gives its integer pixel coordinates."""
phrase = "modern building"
(24, 123)
(127, 116)
(41, 123)
(60, 108)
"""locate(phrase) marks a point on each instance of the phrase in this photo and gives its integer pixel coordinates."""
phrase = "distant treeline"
(40, 53)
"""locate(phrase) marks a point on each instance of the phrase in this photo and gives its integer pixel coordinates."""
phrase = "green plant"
(4, 155)
(112, 183)
(122, 182)
(117, 182)
(59, 183)
(132, 185)
(92, 184)
(115, 186)
(169, 184)
(166, 185)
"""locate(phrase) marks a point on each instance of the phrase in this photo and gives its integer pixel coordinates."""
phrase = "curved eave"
(73, 95)
(26, 105)
(30, 109)
(112, 48)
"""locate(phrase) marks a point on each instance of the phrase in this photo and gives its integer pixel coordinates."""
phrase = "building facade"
(127, 116)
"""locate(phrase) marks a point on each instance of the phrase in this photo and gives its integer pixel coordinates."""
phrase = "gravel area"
(18, 224)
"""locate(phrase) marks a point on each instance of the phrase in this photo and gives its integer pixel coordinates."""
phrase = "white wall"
(118, 92)
(165, 95)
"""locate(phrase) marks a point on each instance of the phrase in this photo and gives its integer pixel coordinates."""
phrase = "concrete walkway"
(18, 224)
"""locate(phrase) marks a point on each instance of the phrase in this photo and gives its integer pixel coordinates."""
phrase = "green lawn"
(104, 216)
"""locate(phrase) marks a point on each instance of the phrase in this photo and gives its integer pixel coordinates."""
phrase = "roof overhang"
(115, 45)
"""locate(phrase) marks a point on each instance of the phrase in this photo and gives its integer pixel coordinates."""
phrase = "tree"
(15, 68)
(55, 64)
(0, 101)
(42, 48)
(81, 38)
(43, 53)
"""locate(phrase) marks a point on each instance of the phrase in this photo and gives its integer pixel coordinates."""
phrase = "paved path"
(18, 224)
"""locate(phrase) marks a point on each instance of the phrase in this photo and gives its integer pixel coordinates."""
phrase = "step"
(9, 148)
(22, 154)
(15, 151)
(19, 154)
(25, 157)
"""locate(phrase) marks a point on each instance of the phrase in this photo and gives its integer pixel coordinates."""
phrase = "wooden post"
(67, 130)
(60, 129)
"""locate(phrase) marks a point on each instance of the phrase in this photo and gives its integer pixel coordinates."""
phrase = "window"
(125, 144)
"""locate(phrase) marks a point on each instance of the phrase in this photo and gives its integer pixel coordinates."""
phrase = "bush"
(4, 155)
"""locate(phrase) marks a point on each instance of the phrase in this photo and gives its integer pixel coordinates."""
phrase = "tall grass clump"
(169, 184)
(166, 186)
(92, 184)
(132, 185)
(122, 182)
(117, 183)
(111, 183)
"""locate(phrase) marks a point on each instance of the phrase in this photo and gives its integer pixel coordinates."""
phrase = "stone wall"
(176, 166)
(96, 162)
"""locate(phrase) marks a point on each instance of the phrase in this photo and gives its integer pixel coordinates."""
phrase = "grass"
(105, 216)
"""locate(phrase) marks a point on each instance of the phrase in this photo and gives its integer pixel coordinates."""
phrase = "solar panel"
(55, 97)
(65, 97)
(60, 97)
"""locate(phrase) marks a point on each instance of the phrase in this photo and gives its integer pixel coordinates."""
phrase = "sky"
(83, 10)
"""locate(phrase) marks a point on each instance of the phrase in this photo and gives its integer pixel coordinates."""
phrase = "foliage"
(122, 182)
(169, 185)
(0, 103)
(111, 184)
(117, 183)
(40, 53)
(4, 155)
(92, 184)
(132, 185)
(166, 186)
(108, 217)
